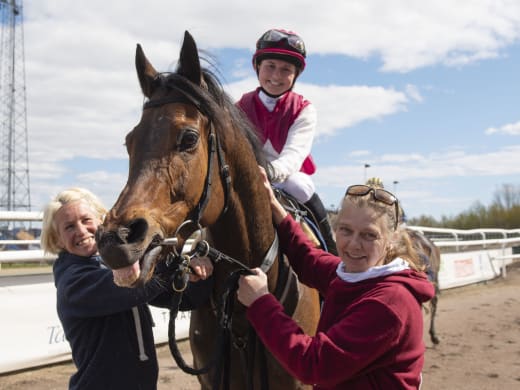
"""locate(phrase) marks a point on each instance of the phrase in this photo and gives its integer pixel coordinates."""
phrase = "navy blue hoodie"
(109, 328)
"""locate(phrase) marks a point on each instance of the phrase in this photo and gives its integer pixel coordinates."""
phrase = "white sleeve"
(297, 146)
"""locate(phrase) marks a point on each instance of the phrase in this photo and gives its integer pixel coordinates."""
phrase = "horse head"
(169, 179)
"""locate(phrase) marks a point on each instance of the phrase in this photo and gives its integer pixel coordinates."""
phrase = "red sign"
(464, 267)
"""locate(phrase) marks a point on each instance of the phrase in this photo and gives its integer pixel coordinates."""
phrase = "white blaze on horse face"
(125, 277)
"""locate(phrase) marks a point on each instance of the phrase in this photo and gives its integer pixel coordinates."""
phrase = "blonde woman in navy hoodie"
(370, 334)
(109, 328)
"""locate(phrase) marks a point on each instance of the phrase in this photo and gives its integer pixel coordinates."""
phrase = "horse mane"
(215, 103)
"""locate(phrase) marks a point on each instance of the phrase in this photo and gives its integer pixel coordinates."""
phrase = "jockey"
(286, 121)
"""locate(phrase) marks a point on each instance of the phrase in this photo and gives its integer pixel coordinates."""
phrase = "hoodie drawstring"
(139, 333)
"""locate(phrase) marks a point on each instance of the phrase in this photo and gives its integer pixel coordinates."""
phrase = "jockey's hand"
(252, 287)
(279, 213)
(202, 268)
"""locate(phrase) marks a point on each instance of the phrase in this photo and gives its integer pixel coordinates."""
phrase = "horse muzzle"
(128, 254)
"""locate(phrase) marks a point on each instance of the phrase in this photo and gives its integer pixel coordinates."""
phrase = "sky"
(426, 93)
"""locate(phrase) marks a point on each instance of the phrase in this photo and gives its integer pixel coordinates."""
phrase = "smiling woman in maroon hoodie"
(371, 327)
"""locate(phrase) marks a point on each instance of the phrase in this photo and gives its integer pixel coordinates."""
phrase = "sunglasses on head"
(378, 194)
(272, 38)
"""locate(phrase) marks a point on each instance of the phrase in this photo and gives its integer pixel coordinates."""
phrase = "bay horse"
(431, 256)
(193, 165)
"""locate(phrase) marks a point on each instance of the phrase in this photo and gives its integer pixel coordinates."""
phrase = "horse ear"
(145, 72)
(189, 62)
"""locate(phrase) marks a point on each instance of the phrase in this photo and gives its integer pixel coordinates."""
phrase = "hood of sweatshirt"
(415, 282)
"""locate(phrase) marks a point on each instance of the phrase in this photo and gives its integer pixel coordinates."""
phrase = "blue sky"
(425, 92)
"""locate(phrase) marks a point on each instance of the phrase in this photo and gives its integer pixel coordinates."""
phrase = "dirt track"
(479, 328)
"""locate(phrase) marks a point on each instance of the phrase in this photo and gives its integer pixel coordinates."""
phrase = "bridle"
(213, 147)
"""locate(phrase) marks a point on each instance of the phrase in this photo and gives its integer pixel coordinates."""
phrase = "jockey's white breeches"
(299, 185)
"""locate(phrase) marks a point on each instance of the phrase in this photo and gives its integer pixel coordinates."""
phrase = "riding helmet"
(282, 45)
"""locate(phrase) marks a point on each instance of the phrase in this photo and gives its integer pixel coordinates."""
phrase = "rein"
(224, 314)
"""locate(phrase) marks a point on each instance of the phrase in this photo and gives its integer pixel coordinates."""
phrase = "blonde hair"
(49, 237)
(400, 242)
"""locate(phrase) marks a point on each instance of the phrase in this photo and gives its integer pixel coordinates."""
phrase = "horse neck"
(246, 230)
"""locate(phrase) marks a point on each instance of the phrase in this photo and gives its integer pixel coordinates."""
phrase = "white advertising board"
(31, 333)
(463, 268)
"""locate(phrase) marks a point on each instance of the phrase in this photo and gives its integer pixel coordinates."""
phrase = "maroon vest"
(274, 126)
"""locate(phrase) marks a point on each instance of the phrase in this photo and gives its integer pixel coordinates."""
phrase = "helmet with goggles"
(282, 45)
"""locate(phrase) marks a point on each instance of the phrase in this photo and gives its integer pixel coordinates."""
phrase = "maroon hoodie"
(370, 334)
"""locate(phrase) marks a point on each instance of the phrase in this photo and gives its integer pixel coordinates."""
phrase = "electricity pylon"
(14, 157)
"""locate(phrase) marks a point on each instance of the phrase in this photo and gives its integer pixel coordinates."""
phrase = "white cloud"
(413, 92)
(510, 129)
(81, 79)
(432, 184)
(416, 166)
(402, 158)
(359, 153)
(406, 35)
(345, 106)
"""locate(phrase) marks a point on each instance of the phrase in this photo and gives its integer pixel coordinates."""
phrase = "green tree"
(503, 212)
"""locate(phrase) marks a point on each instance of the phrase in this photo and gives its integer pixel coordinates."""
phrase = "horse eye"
(188, 140)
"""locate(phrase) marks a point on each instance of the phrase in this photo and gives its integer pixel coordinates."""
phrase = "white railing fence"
(21, 216)
(463, 239)
(450, 241)
(31, 251)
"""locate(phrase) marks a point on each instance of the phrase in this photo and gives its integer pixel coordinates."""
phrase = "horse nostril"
(137, 230)
(106, 238)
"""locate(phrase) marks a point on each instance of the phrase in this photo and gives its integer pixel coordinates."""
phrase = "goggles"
(277, 38)
(378, 194)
